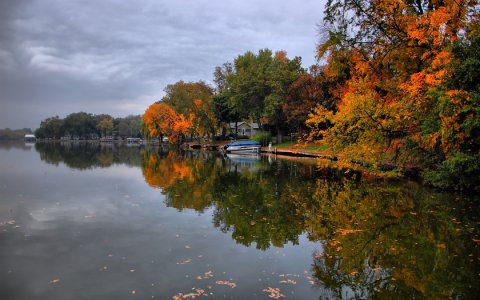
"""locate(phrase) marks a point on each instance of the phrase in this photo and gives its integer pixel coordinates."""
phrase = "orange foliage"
(161, 119)
(163, 173)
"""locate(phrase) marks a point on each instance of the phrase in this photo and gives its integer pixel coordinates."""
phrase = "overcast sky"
(116, 56)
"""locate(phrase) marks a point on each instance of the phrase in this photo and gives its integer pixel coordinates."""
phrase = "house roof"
(239, 123)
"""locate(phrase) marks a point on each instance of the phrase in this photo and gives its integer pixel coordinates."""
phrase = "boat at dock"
(243, 147)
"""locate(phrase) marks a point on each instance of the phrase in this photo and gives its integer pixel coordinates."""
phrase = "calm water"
(105, 222)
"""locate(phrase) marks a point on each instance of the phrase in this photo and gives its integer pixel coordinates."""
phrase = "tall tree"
(181, 95)
(80, 124)
(258, 85)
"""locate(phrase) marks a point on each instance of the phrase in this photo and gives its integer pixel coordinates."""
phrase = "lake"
(91, 221)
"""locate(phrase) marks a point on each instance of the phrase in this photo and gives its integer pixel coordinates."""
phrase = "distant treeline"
(84, 125)
(8, 134)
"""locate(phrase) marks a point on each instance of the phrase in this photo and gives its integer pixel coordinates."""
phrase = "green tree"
(80, 124)
(105, 126)
(181, 95)
(51, 128)
(257, 87)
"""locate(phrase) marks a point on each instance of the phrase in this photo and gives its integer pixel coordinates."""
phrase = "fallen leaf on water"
(226, 282)
(197, 293)
(206, 275)
(335, 243)
(273, 293)
(349, 231)
(288, 274)
(454, 220)
(184, 262)
(56, 280)
(288, 281)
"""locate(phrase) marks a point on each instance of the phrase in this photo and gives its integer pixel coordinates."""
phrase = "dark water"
(105, 222)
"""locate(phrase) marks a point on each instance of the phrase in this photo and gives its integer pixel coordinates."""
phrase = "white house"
(245, 128)
(30, 138)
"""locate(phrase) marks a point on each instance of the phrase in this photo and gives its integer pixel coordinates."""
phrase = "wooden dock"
(296, 152)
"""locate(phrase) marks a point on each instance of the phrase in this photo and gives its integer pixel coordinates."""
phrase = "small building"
(245, 128)
(30, 138)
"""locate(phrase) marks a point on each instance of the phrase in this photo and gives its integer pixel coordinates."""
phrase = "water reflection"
(83, 156)
(17, 145)
(383, 238)
(375, 239)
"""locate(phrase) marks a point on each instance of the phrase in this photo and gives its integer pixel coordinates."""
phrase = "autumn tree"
(162, 120)
(193, 102)
(396, 104)
(310, 89)
(181, 95)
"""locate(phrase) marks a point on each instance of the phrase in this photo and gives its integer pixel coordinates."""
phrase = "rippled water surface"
(91, 221)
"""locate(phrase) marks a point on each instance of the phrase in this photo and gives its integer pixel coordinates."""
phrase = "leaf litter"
(273, 293)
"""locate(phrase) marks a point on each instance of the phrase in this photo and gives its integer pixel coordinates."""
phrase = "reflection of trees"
(252, 200)
(409, 247)
(378, 240)
(20, 145)
(184, 179)
(256, 208)
(87, 155)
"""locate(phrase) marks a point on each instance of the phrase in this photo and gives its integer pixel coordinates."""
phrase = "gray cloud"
(112, 56)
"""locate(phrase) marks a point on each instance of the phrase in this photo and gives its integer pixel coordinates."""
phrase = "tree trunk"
(279, 135)
(236, 129)
(224, 132)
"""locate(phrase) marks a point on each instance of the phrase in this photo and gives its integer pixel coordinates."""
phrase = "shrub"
(459, 171)
(263, 137)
